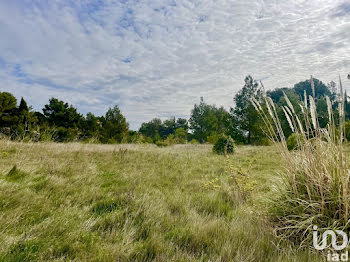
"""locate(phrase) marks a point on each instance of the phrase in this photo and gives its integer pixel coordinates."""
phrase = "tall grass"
(316, 177)
(93, 202)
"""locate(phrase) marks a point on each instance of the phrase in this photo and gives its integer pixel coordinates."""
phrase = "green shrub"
(194, 141)
(63, 134)
(264, 141)
(46, 136)
(146, 140)
(157, 138)
(112, 141)
(225, 144)
(170, 140)
(91, 140)
(35, 136)
(294, 141)
(213, 138)
(161, 143)
(136, 138)
(181, 135)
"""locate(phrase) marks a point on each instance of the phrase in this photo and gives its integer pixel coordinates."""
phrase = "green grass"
(80, 202)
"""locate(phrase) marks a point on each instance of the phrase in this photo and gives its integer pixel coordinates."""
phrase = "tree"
(322, 112)
(90, 126)
(246, 118)
(320, 88)
(296, 96)
(277, 93)
(181, 135)
(61, 114)
(206, 120)
(182, 123)
(332, 86)
(151, 128)
(16, 120)
(26, 118)
(114, 126)
(63, 119)
(167, 128)
(8, 110)
(160, 130)
(7, 102)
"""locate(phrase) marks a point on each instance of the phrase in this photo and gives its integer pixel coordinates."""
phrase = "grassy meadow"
(87, 202)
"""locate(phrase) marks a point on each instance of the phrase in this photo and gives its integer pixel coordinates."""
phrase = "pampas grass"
(316, 177)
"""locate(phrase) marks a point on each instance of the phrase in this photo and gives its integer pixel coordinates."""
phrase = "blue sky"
(157, 58)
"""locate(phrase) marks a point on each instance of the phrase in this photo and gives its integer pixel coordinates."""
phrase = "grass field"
(81, 202)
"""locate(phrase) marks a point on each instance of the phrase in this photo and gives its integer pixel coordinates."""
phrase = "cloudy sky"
(156, 58)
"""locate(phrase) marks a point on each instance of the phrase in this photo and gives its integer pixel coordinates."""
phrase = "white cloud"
(156, 58)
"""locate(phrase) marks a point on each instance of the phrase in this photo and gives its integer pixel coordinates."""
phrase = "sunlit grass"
(135, 203)
(316, 176)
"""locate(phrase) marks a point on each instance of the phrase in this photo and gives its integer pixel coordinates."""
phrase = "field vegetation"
(84, 202)
(164, 192)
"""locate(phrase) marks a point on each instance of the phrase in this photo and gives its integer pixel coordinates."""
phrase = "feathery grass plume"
(289, 103)
(329, 108)
(341, 110)
(288, 110)
(312, 86)
(313, 112)
(263, 89)
(288, 119)
(316, 178)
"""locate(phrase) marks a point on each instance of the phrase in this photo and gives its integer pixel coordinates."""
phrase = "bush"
(134, 138)
(225, 144)
(264, 141)
(181, 135)
(170, 140)
(213, 138)
(161, 143)
(35, 136)
(46, 136)
(194, 142)
(294, 141)
(147, 140)
(63, 134)
(91, 140)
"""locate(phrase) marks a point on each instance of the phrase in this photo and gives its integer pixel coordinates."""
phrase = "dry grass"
(134, 203)
(316, 177)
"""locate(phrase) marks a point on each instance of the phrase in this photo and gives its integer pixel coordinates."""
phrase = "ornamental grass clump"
(316, 177)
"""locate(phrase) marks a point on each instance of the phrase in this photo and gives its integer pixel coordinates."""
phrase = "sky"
(156, 58)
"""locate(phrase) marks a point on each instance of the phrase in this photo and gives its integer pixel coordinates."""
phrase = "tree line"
(58, 121)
